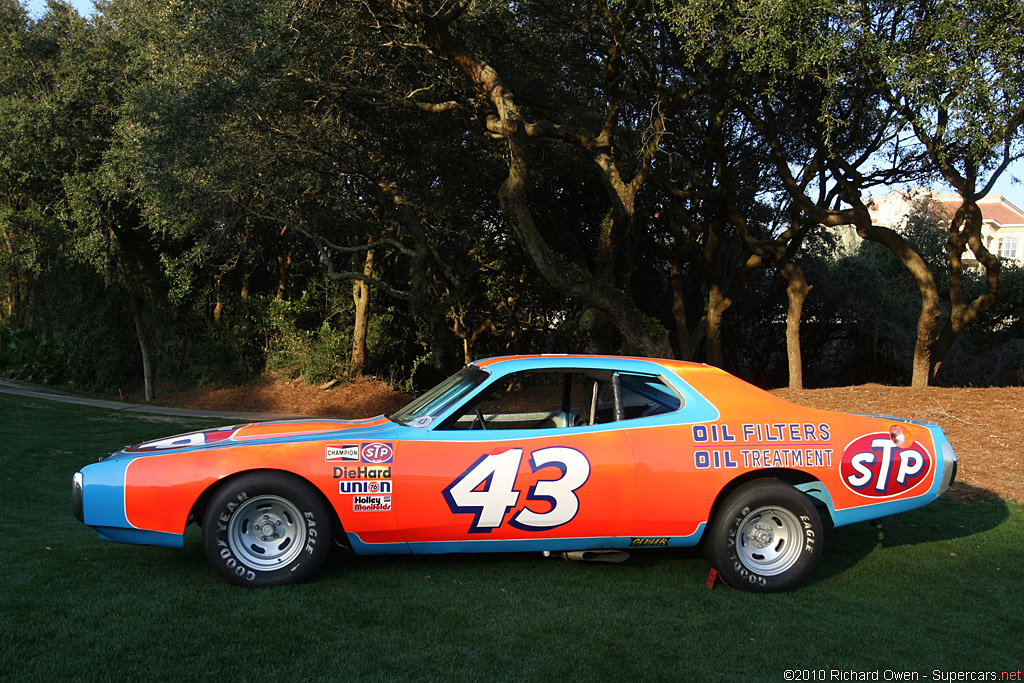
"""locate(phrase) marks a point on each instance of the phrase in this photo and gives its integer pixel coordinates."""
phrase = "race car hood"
(257, 432)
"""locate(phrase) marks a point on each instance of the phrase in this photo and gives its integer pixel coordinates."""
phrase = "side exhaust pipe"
(608, 556)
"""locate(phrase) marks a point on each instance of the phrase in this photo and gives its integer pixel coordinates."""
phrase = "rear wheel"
(266, 529)
(766, 537)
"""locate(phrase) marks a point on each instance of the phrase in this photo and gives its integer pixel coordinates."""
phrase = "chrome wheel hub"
(266, 532)
(770, 541)
(762, 535)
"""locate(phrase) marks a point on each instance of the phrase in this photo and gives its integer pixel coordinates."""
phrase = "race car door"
(526, 464)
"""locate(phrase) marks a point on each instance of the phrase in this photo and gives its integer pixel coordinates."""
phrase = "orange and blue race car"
(528, 453)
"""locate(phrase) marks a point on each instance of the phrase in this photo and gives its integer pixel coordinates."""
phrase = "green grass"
(939, 588)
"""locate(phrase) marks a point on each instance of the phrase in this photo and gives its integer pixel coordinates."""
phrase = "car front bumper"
(76, 497)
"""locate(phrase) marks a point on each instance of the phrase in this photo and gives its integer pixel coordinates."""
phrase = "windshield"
(422, 412)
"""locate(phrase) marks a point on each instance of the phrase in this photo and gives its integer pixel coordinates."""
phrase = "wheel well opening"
(794, 478)
(198, 509)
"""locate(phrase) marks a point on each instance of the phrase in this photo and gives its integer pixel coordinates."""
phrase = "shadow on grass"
(943, 520)
(685, 566)
(377, 572)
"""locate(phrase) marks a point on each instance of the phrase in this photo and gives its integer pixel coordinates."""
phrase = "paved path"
(32, 391)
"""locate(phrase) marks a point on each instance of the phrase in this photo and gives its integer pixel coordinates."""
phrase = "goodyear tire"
(766, 537)
(266, 529)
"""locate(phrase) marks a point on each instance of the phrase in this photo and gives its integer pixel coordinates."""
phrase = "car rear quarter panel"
(757, 431)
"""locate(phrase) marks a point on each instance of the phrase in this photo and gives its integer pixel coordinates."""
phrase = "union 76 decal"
(487, 490)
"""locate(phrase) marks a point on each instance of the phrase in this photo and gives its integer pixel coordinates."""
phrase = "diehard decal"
(362, 472)
(875, 466)
(346, 453)
(377, 453)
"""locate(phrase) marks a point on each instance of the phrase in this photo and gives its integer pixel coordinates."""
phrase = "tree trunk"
(639, 333)
(962, 312)
(797, 290)
(147, 355)
(218, 306)
(361, 298)
(718, 304)
(600, 333)
(679, 312)
(930, 311)
(721, 295)
(284, 264)
(441, 342)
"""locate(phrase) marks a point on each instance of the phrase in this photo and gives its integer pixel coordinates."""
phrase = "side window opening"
(564, 399)
(644, 396)
(524, 400)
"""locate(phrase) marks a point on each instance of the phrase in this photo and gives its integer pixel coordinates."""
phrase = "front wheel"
(766, 537)
(266, 529)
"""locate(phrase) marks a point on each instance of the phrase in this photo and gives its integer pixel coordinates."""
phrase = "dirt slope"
(985, 426)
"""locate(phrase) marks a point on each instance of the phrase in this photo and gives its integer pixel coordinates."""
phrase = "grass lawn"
(936, 590)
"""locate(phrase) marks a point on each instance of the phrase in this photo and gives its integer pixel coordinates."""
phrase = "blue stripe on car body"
(516, 545)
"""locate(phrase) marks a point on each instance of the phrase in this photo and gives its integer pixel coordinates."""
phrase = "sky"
(1013, 191)
(37, 7)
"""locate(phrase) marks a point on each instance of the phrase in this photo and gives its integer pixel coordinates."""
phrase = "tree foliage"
(209, 178)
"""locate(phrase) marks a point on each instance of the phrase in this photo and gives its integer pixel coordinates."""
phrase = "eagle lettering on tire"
(766, 537)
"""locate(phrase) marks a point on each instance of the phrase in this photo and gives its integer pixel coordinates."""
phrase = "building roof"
(995, 209)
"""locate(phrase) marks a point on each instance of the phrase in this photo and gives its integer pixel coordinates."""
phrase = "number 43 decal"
(487, 490)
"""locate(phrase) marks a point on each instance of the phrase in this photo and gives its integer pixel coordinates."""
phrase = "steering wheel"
(479, 421)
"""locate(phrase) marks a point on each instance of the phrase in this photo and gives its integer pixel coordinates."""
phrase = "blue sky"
(37, 7)
(1006, 187)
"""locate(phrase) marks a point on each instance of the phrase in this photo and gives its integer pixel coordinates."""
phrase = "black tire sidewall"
(721, 547)
(229, 499)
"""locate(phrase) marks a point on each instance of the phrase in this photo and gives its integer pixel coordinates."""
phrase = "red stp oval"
(377, 453)
(875, 466)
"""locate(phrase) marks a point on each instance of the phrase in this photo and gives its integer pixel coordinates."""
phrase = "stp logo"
(875, 466)
(377, 452)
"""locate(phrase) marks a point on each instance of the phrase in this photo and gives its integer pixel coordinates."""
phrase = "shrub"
(29, 355)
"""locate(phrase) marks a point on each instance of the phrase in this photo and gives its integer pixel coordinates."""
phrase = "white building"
(1002, 228)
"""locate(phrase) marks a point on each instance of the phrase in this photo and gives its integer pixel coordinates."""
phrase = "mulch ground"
(985, 426)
